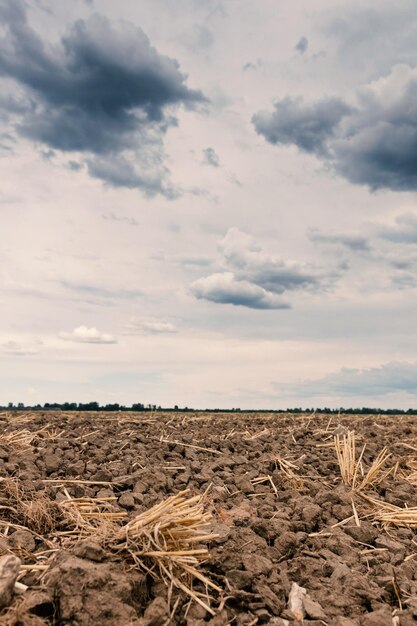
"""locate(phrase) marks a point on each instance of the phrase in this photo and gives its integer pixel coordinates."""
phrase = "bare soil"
(280, 509)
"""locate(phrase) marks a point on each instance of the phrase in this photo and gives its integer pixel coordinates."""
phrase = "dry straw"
(166, 542)
(351, 470)
(392, 515)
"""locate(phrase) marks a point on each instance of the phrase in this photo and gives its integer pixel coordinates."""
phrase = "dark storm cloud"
(308, 126)
(374, 144)
(101, 90)
(302, 45)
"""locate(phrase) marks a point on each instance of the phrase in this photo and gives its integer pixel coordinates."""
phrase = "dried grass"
(390, 514)
(288, 470)
(352, 470)
(166, 542)
(89, 517)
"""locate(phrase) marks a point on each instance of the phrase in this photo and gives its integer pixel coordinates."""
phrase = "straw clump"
(166, 541)
(392, 515)
(352, 470)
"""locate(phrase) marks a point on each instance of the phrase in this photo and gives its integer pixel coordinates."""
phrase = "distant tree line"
(138, 406)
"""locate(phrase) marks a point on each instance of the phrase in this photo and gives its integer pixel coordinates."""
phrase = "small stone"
(257, 565)
(239, 579)
(127, 501)
(240, 515)
(313, 609)
(22, 539)
(89, 550)
(311, 514)
(378, 618)
(52, 462)
(140, 487)
(223, 532)
(102, 475)
(244, 484)
(157, 612)
(9, 570)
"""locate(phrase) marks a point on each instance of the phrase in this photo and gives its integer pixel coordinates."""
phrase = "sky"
(209, 203)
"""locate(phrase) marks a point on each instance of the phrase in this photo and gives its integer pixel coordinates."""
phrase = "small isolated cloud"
(256, 65)
(102, 90)
(140, 326)
(210, 157)
(223, 288)
(16, 348)
(254, 278)
(404, 230)
(84, 334)
(354, 242)
(131, 221)
(302, 45)
(372, 143)
(350, 382)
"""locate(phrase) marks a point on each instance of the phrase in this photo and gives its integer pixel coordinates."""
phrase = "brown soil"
(277, 524)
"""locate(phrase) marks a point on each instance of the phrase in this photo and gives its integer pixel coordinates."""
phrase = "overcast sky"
(209, 203)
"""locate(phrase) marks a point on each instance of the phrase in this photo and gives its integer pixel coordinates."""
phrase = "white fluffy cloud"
(83, 334)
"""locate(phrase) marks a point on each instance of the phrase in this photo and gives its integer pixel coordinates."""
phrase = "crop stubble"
(149, 519)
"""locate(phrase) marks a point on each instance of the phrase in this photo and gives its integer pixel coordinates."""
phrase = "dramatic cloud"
(211, 157)
(138, 326)
(102, 91)
(223, 288)
(254, 278)
(308, 126)
(302, 45)
(83, 334)
(373, 144)
(354, 242)
(249, 262)
(350, 382)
